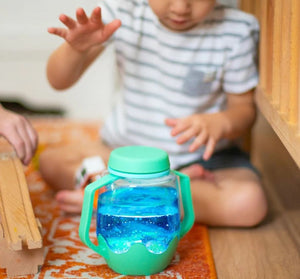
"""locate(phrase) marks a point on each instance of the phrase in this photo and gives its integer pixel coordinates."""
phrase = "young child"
(188, 75)
(20, 133)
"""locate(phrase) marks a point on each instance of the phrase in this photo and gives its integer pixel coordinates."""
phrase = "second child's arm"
(84, 38)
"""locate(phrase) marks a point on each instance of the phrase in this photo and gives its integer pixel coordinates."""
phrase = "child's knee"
(249, 206)
(46, 159)
(57, 168)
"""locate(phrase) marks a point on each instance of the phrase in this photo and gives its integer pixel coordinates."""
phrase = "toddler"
(188, 73)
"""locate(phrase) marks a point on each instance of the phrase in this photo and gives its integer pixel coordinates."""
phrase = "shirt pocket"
(198, 83)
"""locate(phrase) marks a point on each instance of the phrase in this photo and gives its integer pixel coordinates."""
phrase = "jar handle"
(187, 202)
(87, 211)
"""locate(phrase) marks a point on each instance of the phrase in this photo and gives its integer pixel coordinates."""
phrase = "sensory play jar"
(138, 215)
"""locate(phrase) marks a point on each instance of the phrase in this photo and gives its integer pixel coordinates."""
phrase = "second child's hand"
(85, 32)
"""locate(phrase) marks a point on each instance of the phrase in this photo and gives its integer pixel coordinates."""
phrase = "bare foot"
(70, 201)
(197, 171)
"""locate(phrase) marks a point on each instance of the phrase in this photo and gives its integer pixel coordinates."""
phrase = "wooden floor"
(271, 250)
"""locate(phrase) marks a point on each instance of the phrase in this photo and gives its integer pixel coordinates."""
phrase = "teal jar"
(138, 213)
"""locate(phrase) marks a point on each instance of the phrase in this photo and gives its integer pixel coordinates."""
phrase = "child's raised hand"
(19, 132)
(205, 129)
(86, 31)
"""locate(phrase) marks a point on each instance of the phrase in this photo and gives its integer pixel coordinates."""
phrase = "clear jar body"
(135, 210)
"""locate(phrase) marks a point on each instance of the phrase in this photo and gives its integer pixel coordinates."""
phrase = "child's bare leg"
(234, 198)
(58, 165)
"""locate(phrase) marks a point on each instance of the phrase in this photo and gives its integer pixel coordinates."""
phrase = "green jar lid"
(138, 160)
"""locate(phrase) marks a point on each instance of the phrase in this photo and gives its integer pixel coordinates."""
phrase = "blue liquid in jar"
(146, 215)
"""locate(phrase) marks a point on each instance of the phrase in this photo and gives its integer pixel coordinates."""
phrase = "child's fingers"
(16, 140)
(61, 32)
(110, 28)
(26, 144)
(198, 141)
(81, 16)
(96, 16)
(210, 146)
(186, 135)
(29, 137)
(33, 137)
(171, 122)
(180, 127)
(67, 21)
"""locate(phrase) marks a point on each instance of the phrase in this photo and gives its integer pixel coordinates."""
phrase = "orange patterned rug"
(65, 255)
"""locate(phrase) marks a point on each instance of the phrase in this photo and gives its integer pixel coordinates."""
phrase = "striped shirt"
(168, 74)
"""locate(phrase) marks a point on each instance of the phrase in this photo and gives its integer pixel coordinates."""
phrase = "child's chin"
(179, 27)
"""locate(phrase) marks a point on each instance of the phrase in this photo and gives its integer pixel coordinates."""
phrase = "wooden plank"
(276, 57)
(263, 49)
(286, 132)
(247, 6)
(295, 65)
(34, 239)
(257, 9)
(285, 60)
(298, 91)
(267, 251)
(19, 263)
(18, 220)
(269, 46)
(5, 147)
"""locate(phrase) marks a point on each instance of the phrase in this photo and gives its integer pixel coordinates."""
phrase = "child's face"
(181, 15)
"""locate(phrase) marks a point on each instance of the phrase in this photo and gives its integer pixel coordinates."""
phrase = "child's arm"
(19, 132)
(208, 129)
(84, 40)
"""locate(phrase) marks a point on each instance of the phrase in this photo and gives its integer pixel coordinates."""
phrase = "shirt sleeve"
(241, 73)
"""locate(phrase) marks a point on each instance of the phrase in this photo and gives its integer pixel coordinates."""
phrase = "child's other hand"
(85, 32)
(205, 129)
(19, 132)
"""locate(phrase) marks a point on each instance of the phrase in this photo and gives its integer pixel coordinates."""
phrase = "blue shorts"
(232, 157)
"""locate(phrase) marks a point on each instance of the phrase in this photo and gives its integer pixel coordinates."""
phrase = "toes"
(194, 171)
(70, 201)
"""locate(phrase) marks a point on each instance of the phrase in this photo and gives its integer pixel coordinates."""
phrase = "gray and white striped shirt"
(176, 74)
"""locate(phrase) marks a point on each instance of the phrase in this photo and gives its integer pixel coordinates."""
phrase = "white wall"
(25, 46)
